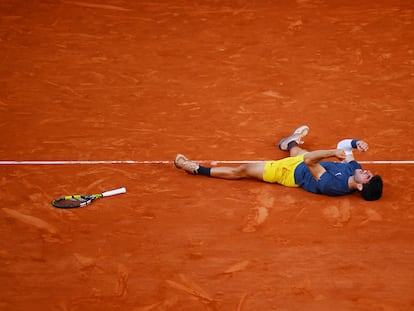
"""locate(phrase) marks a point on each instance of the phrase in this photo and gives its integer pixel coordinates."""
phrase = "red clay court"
(118, 80)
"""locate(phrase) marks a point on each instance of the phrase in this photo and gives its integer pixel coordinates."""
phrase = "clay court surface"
(218, 81)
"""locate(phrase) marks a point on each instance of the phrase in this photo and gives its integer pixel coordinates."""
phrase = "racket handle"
(114, 192)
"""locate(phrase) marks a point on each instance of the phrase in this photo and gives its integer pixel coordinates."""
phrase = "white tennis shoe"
(182, 162)
(297, 136)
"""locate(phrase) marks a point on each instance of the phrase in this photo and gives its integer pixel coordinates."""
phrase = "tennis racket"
(74, 201)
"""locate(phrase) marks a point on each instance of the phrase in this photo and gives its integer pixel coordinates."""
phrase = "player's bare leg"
(249, 170)
(296, 150)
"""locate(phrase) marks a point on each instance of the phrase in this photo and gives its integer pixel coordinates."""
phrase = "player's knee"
(242, 171)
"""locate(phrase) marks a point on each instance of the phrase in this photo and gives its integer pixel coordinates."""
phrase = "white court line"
(165, 162)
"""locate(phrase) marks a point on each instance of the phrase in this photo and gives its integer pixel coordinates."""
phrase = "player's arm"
(348, 145)
(311, 159)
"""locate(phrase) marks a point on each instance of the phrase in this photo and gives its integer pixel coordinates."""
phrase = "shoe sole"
(179, 156)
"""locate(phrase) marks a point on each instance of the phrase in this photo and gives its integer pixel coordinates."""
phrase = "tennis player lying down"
(303, 169)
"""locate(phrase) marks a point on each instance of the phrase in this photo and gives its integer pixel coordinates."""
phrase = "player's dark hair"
(372, 190)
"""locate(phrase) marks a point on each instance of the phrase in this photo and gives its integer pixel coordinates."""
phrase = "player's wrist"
(354, 143)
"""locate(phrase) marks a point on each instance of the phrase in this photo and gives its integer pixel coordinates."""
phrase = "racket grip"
(114, 192)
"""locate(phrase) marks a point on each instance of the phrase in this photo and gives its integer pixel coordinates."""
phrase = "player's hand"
(362, 146)
(340, 154)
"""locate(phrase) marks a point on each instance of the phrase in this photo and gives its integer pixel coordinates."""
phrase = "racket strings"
(73, 201)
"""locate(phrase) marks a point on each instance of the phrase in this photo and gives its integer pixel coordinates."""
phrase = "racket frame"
(89, 198)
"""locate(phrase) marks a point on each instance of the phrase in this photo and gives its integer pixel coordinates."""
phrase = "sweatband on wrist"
(354, 143)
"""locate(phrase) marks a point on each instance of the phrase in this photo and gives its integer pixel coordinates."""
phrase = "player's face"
(363, 176)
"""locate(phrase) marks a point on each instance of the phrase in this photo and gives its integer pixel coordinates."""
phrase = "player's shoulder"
(354, 164)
